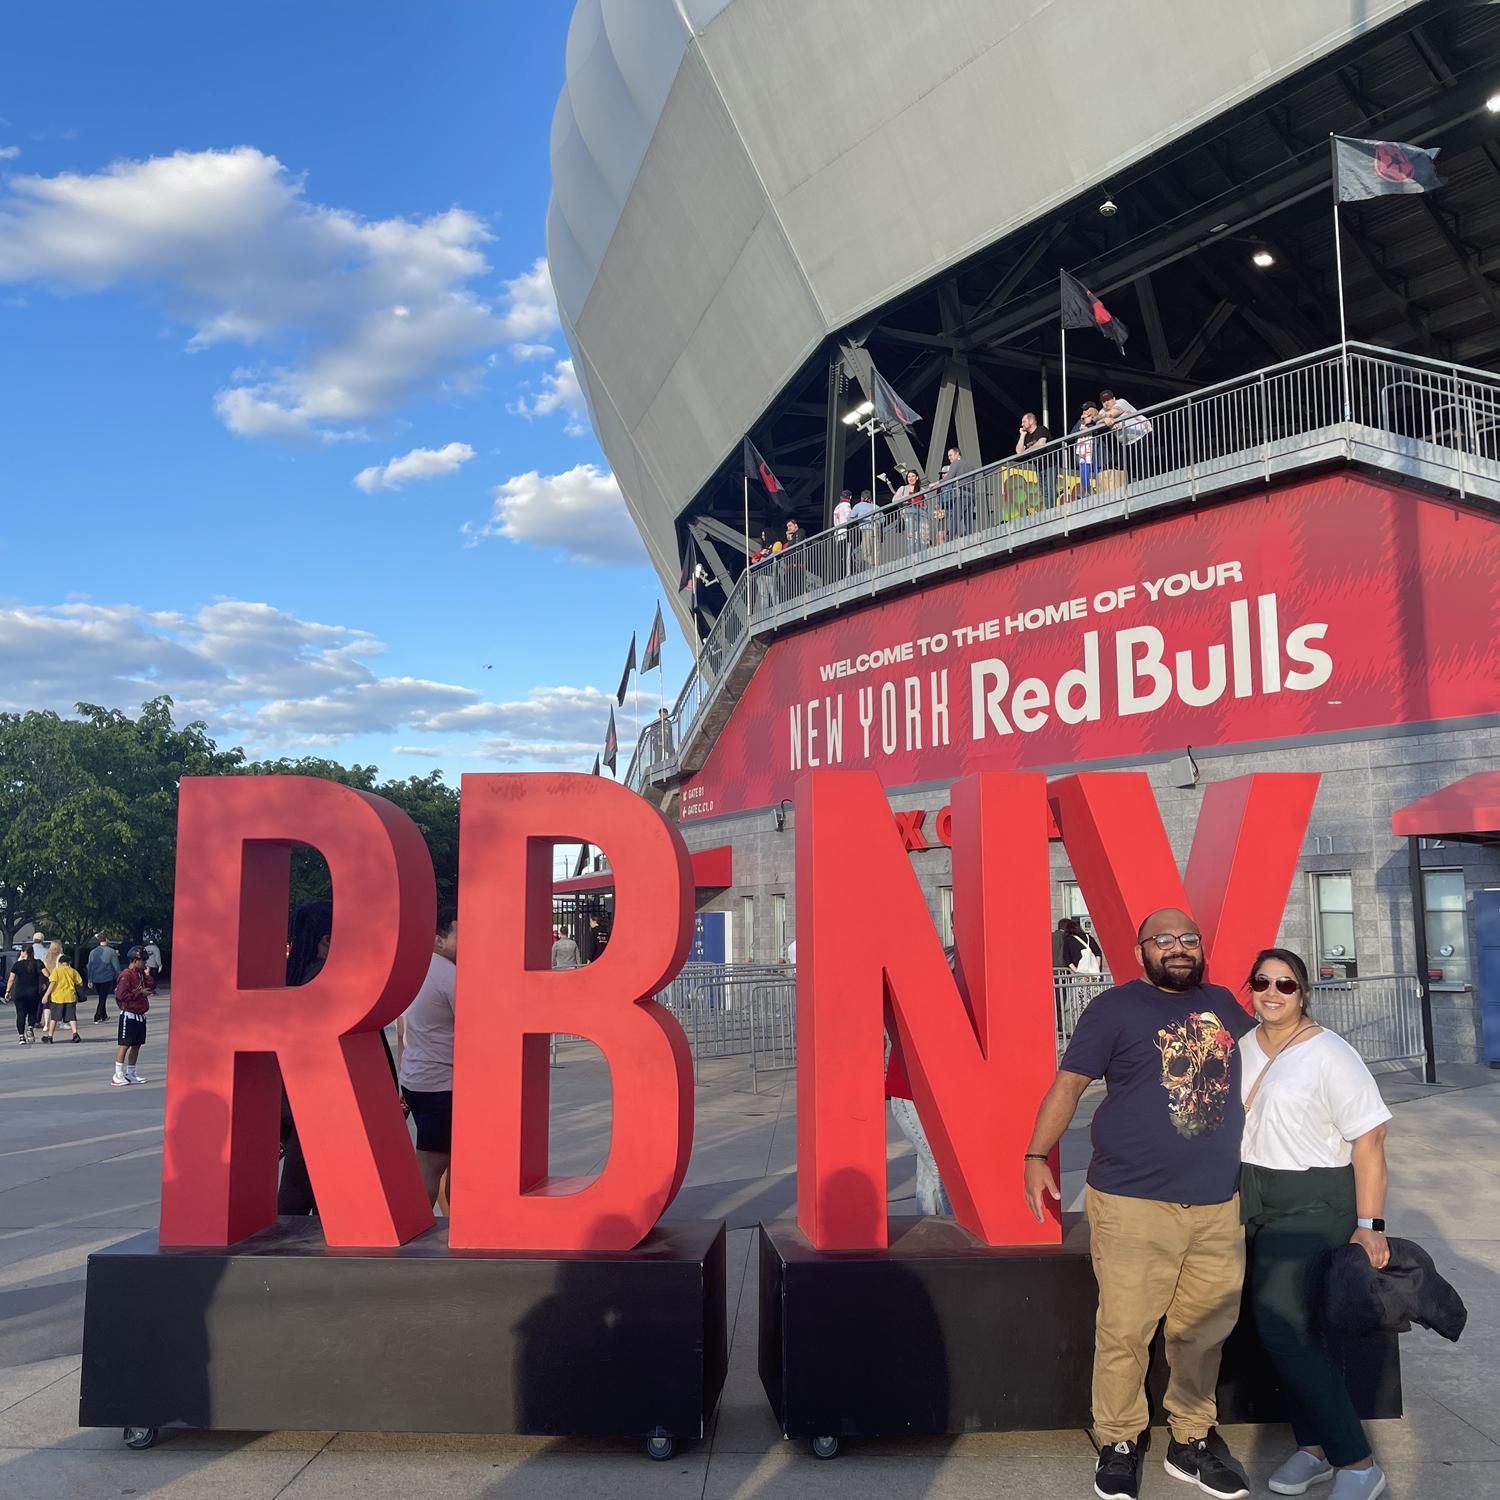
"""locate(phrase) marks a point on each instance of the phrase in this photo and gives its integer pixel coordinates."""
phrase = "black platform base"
(939, 1334)
(281, 1332)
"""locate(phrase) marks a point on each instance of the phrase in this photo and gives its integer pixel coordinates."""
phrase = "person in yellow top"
(62, 996)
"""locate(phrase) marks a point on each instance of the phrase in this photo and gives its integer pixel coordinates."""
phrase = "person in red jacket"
(132, 995)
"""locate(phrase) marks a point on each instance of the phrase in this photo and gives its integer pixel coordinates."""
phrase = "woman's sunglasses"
(1262, 982)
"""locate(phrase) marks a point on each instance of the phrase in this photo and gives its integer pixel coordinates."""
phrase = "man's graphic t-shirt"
(1170, 1124)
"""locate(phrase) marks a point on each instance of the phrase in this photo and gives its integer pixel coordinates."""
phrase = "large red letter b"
(511, 1002)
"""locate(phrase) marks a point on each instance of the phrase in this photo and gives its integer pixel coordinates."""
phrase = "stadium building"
(839, 232)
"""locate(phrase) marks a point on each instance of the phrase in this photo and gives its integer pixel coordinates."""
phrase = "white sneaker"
(134, 1078)
(119, 1081)
(1358, 1484)
(1299, 1472)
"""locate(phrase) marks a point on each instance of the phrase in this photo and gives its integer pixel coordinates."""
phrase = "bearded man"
(1163, 1203)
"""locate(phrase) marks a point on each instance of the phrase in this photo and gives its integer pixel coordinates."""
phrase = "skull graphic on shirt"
(1195, 1071)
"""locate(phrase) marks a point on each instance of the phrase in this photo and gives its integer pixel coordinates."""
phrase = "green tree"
(428, 800)
(89, 808)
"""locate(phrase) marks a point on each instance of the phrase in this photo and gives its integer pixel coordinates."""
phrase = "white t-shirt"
(1316, 1101)
(427, 1058)
(791, 951)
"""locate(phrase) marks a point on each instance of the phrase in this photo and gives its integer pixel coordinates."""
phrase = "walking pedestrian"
(1163, 1207)
(427, 1055)
(24, 990)
(565, 953)
(61, 998)
(133, 997)
(1314, 1178)
(103, 969)
(153, 959)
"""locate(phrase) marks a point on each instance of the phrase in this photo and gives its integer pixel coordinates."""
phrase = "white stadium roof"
(736, 180)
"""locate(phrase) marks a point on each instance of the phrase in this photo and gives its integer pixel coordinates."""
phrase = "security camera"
(1109, 208)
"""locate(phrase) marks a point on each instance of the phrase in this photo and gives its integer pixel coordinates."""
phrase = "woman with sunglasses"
(1313, 1178)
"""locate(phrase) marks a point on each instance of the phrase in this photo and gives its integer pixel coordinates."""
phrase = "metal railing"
(1430, 421)
(1379, 1015)
(737, 1010)
(750, 1010)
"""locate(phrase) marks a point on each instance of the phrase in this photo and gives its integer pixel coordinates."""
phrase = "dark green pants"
(1291, 1218)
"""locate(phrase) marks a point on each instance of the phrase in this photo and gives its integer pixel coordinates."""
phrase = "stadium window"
(747, 927)
(778, 928)
(1447, 920)
(945, 914)
(1333, 925)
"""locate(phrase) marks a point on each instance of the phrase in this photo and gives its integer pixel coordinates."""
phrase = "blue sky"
(250, 255)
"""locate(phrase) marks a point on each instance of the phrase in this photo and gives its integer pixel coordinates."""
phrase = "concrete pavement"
(80, 1167)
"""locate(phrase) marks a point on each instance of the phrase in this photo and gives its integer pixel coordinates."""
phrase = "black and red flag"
(889, 407)
(685, 573)
(625, 677)
(1082, 309)
(1372, 169)
(758, 469)
(611, 740)
(651, 657)
(595, 771)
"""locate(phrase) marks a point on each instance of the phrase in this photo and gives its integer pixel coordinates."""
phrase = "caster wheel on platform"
(140, 1437)
(660, 1448)
(825, 1447)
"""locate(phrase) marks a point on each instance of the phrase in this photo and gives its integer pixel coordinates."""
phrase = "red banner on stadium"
(1331, 605)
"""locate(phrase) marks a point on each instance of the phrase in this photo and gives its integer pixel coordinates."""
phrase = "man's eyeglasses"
(1262, 982)
(1166, 940)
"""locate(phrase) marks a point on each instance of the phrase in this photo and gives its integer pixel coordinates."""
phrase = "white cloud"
(560, 393)
(9, 153)
(530, 304)
(580, 511)
(359, 316)
(532, 351)
(420, 463)
(268, 680)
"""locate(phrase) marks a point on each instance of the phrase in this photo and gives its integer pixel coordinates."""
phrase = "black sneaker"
(1118, 1472)
(1197, 1463)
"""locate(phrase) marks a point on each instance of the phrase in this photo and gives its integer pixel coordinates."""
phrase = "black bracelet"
(1036, 1156)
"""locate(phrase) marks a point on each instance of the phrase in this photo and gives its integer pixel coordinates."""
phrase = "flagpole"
(747, 524)
(1338, 262)
(1065, 407)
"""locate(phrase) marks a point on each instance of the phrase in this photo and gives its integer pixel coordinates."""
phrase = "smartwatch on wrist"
(1378, 1225)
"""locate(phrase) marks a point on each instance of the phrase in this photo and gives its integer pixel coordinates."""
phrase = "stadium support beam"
(859, 363)
(1237, 211)
(942, 419)
(700, 530)
(1022, 266)
(1187, 361)
(1370, 256)
(1460, 252)
(1115, 374)
(834, 434)
(1145, 294)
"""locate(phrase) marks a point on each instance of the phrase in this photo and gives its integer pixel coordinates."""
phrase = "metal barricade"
(1071, 993)
(1379, 1015)
(737, 1010)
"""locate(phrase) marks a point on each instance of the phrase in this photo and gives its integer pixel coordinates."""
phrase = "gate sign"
(979, 1048)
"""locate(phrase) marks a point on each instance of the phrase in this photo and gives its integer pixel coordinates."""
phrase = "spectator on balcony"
(863, 517)
(959, 494)
(1032, 434)
(662, 745)
(908, 505)
(1021, 483)
(1084, 448)
(841, 513)
(1128, 425)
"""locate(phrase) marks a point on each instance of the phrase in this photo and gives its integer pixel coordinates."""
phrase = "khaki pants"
(1154, 1260)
